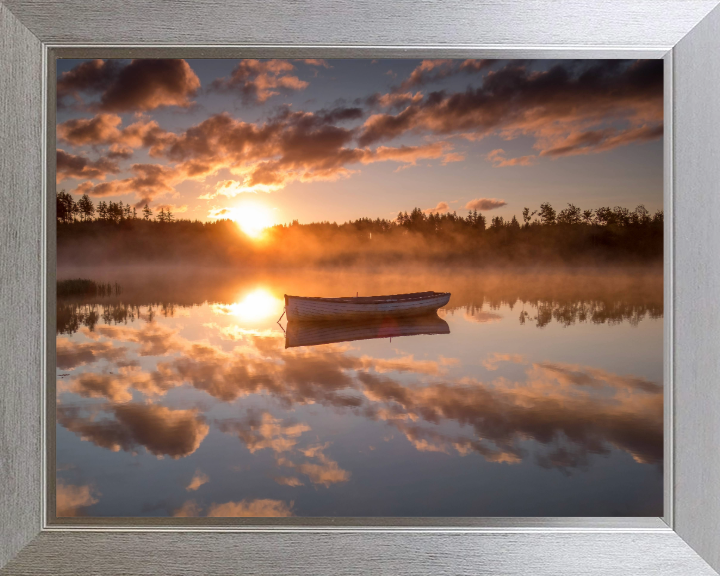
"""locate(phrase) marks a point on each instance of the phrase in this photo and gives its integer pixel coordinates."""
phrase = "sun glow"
(255, 306)
(252, 218)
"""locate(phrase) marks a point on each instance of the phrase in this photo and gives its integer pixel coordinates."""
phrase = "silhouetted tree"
(497, 223)
(65, 207)
(147, 213)
(547, 214)
(87, 209)
(102, 210)
(640, 215)
(570, 215)
(527, 215)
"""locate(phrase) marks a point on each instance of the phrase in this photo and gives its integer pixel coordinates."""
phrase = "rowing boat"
(316, 333)
(300, 308)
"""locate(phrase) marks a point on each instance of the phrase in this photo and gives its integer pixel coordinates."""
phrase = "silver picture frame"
(685, 33)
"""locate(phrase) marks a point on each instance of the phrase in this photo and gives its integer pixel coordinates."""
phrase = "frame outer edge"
(397, 554)
(20, 280)
(697, 286)
(20, 277)
(580, 23)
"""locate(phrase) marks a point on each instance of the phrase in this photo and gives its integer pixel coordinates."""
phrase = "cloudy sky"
(335, 140)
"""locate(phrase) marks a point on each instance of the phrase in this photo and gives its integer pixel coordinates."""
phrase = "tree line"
(546, 215)
(115, 233)
(68, 210)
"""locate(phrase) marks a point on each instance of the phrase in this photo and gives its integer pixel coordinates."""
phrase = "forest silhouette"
(113, 233)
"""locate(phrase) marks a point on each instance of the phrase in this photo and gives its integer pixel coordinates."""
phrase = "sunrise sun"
(252, 218)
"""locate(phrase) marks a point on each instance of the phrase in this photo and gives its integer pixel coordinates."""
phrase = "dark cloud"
(162, 431)
(340, 114)
(71, 166)
(564, 102)
(91, 77)
(140, 85)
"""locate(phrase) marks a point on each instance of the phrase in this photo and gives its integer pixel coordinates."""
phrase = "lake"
(177, 396)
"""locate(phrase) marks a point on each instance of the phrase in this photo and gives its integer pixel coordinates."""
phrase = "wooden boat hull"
(302, 309)
(317, 333)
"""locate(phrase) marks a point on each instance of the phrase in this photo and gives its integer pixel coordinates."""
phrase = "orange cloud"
(162, 431)
(420, 75)
(100, 129)
(264, 431)
(492, 361)
(257, 80)
(429, 71)
(484, 204)
(174, 208)
(497, 157)
(70, 499)
(261, 508)
(316, 62)
(70, 355)
(148, 182)
(288, 481)
(481, 316)
(91, 385)
(323, 470)
(197, 480)
(441, 208)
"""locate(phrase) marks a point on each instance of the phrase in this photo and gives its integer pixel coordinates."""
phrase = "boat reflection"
(317, 333)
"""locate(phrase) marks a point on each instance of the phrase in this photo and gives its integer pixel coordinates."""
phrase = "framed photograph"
(295, 290)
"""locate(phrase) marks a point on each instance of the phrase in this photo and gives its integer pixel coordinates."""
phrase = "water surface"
(178, 397)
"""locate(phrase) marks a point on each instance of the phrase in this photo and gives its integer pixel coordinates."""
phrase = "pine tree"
(87, 209)
(147, 213)
(102, 211)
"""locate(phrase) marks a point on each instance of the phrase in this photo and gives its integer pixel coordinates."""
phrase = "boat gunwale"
(411, 297)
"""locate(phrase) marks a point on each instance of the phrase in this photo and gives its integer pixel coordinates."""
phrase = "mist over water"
(177, 396)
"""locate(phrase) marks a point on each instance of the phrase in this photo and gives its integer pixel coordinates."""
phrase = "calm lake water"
(178, 397)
